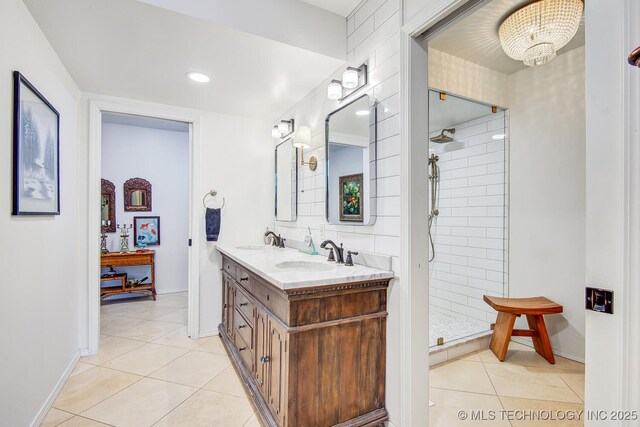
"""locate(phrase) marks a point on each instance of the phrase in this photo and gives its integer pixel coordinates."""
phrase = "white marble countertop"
(262, 262)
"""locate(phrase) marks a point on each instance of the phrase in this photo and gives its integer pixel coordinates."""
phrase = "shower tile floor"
(450, 328)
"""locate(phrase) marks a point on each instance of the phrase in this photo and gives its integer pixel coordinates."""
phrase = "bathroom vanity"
(307, 336)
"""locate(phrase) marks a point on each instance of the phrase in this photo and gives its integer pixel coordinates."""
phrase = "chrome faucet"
(339, 251)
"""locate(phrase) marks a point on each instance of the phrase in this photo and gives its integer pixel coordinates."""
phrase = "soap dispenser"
(267, 239)
(310, 247)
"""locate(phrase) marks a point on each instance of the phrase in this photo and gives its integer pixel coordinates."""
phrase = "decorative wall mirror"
(351, 163)
(286, 181)
(137, 195)
(108, 205)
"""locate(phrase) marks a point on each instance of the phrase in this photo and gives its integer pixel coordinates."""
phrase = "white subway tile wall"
(470, 232)
(373, 37)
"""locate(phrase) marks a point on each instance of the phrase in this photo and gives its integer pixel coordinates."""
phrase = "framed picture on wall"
(146, 230)
(36, 151)
(351, 198)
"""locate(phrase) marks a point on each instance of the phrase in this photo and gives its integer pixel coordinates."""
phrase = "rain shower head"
(442, 138)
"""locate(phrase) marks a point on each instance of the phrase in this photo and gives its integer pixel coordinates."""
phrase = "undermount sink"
(304, 266)
(251, 248)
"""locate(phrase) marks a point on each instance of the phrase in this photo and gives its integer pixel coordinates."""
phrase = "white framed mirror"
(351, 163)
(286, 181)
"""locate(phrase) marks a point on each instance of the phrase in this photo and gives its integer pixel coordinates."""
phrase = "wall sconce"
(353, 79)
(283, 129)
(302, 140)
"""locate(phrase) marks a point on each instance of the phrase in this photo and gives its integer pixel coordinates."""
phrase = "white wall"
(547, 224)
(372, 35)
(469, 234)
(39, 304)
(162, 158)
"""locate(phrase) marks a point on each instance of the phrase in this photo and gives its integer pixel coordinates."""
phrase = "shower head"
(442, 138)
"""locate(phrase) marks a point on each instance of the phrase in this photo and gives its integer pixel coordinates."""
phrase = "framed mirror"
(137, 195)
(108, 205)
(286, 181)
(351, 163)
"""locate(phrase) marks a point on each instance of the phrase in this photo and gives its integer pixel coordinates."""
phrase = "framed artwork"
(146, 229)
(36, 151)
(108, 205)
(351, 198)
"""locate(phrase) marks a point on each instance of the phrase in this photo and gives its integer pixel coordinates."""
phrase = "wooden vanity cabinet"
(308, 357)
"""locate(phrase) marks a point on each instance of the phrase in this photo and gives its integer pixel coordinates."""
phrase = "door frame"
(414, 255)
(97, 105)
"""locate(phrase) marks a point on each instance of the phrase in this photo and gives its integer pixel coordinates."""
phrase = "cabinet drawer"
(245, 351)
(244, 329)
(243, 277)
(244, 305)
(274, 301)
(229, 267)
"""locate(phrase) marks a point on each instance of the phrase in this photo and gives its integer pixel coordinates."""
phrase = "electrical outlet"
(600, 300)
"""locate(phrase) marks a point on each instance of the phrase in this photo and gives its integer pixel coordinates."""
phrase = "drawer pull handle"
(264, 359)
(244, 279)
(242, 304)
(242, 348)
(242, 326)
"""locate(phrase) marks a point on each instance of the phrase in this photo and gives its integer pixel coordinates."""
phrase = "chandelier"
(534, 33)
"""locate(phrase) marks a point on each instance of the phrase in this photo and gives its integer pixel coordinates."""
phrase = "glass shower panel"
(468, 190)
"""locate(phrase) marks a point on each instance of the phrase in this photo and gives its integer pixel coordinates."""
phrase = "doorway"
(109, 116)
(144, 276)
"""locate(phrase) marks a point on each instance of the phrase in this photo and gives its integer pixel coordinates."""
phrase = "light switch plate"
(600, 300)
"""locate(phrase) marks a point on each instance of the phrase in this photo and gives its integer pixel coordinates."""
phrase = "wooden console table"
(117, 259)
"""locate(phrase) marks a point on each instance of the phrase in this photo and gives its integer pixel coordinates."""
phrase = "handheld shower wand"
(434, 179)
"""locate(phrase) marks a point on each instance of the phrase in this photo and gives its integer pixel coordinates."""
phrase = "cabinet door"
(262, 335)
(277, 369)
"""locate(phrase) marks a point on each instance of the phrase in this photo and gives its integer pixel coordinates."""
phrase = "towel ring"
(212, 193)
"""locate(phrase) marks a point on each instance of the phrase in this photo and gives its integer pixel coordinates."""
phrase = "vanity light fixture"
(198, 77)
(302, 140)
(275, 132)
(285, 128)
(534, 33)
(334, 91)
(353, 79)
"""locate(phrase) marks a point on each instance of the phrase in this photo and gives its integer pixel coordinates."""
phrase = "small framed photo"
(36, 151)
(146, 230)
(351, 198)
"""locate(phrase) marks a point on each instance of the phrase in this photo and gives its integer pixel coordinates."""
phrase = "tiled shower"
(470, 230)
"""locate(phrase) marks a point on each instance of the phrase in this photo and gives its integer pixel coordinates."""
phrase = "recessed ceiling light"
(198, 77)
(498, 136)
(362, 113)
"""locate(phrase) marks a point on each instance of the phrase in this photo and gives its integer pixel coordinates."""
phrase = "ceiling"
(130, 49)
(452, 111)
(475, 37)
(339, 7)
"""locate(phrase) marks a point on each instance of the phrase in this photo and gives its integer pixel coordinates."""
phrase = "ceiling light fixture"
(302, 140)
(353, 79)
(498, 136)
(534, 33)
(198, 77)
(362, 113)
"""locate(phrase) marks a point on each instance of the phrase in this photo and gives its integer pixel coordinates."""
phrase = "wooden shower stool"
(510, 308)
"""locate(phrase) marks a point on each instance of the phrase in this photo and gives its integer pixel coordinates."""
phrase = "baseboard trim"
(528, 343)
(56, 390)
(208, 333)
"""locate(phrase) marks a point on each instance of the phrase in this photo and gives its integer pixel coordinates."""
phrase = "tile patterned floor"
(149, 373)
(450, 328)
(515, 391)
